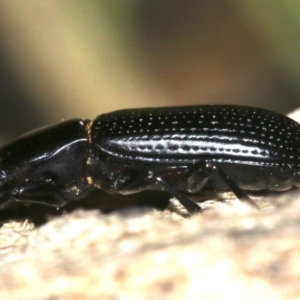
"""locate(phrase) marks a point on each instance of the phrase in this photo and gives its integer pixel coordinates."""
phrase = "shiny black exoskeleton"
(179, 149)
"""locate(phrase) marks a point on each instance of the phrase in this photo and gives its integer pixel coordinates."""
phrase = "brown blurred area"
(64, 59)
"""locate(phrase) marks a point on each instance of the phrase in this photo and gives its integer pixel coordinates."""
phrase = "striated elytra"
(178, 149)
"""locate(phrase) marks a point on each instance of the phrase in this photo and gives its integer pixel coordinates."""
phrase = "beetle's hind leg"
(200, 174)
(240, 194)
(197, 178)
(189, 205)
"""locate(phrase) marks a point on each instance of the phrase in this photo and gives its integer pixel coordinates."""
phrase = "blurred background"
(65, 59)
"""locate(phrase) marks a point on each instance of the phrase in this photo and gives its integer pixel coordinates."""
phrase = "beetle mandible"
(178, 149)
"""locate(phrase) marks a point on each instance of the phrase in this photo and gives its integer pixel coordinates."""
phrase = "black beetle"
(179, 149)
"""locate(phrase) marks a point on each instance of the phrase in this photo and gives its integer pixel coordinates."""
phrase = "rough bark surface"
(228, 252)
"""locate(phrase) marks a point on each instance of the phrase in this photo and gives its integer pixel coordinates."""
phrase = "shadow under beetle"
(178, 149)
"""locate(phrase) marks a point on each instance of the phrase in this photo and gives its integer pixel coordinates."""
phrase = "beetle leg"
(200, 174)
(189, 205)
(240, 194)
(37, 192)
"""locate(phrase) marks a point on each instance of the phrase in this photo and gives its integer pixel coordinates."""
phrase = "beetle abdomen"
(226, 134)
